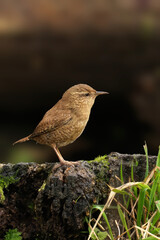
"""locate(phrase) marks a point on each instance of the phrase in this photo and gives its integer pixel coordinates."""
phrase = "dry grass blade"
(93, 232)
(109, 201)
(133, 216)
(135, 204)
(147, 228)
(148, 225)
(122, 206)
(99, 225)
(151, 174)
(142, 230)
(118, 179)
(119, 237)
(119, 232)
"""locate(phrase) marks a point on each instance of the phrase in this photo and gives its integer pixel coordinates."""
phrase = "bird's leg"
(61, 159)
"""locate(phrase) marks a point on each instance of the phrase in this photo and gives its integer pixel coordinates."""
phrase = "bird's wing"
(51, 121)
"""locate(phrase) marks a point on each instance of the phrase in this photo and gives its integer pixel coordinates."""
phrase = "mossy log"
(48, 201)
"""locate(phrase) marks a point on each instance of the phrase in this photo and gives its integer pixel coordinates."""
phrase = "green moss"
(101, 159)
(4, 183)
(100, 167)
(2, 197)
(13, 234)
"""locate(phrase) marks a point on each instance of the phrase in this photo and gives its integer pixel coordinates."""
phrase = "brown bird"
(66, 120)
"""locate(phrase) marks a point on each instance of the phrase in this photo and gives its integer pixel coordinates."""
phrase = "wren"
(66, 120)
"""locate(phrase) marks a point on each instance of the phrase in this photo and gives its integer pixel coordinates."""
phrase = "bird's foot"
(64, 163)
(68, 163)
(61, 159)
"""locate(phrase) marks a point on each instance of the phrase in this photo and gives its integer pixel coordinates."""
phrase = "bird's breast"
(70, 132)
(67, 133)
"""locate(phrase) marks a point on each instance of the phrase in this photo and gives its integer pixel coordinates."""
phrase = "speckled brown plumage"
(66, 120)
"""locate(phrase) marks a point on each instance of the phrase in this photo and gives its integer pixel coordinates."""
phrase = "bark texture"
(48, 201)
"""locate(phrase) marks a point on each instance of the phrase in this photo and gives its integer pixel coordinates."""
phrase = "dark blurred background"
(48, 46)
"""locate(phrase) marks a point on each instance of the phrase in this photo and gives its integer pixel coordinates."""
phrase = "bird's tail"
(25, 139)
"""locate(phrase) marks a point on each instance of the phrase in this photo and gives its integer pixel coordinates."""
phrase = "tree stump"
(49, 201)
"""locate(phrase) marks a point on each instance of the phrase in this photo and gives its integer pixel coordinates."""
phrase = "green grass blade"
(128, 202)
(121, 173)
(122, 217)
(134, 189)
(122, 180)
(155, 230)
(143, 185)
(99, 207)
(140, 206)
(147, 165)
(158, 189)
(108, 225)
(158, 158)
(132, 172)
(123, 192)
(152, 194)
(150, 238)
(158, 205)
(156, 218)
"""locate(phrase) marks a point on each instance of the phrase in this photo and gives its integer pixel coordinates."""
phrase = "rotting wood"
(50, 202)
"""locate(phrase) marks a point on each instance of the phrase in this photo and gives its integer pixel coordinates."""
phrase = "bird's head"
(81, 96)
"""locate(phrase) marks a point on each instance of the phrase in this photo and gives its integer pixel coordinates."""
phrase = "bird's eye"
(86, 94)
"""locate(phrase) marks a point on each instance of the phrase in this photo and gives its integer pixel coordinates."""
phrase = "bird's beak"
(101, 93)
